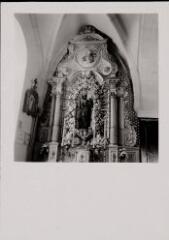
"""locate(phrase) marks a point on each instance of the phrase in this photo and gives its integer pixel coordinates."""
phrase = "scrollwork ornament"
(123, 155)
(105, 67)
(114, 69)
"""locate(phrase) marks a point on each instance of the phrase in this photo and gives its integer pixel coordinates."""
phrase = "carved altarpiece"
(89, 76)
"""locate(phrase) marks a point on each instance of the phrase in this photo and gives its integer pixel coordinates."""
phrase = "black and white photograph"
(84, 121)
(90, 88)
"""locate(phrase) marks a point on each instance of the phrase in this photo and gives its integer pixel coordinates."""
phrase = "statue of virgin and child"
(83, 118)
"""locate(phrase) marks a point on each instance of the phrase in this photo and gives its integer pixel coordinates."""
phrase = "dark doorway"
(149, 139)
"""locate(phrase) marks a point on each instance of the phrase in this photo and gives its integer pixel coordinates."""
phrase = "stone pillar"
(113, 113)
(56, 118)
(121, 120)
(121, 94)
(56, 83)
(113, 121)
(51, 116)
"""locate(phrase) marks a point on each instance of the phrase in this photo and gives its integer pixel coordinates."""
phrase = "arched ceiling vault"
(67, 26)
(135, 39)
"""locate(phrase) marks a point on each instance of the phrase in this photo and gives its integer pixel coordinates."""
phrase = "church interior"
(88, 87)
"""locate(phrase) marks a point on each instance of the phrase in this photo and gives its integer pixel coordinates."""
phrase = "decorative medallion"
(105, 67)
(87, 56)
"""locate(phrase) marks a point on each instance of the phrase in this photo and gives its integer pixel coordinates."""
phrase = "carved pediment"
(86, 52)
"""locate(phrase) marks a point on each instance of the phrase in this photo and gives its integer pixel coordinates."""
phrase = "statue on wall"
(83, 112)
(30, 106)
(130, 136)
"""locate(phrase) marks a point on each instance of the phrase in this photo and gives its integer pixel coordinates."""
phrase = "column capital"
(113, 86)
(113, 92)
(113, 81)
(56, 83)
(122, 92)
